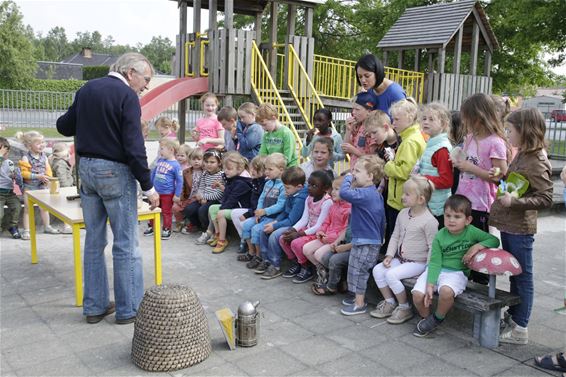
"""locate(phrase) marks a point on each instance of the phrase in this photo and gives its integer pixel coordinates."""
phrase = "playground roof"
(435, 26)
(251, 7)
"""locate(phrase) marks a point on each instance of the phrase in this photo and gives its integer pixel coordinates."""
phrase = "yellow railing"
(189, 45)
(265, 90)
(203, 62)
(336, 78)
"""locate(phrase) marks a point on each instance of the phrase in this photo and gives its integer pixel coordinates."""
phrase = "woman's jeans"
(521, 246)
(108, 192)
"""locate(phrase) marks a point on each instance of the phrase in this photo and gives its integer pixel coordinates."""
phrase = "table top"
(71, 210)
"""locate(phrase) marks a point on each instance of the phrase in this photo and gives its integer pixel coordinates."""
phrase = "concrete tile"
(68, 365)
(480, 360)
(18, 318)
(61, 317)
(132, 370)
(36, 332)
(525, 370)
(315, 350)
(64, 293)
(98, 335)
(292, 308)
(525, 352)
(212, 361)
(5, 365)
(105, 358)
(284, 333)
(226, 369)
(437, 343)
(552, 338)
(311, 371)
(271, 362)
(353, 365)
(323, 321)
(356, 337)
(12, 301)
(26, 356)
(437, 367)
(396, 356)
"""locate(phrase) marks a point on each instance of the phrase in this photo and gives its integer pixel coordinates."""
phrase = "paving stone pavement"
(43, 333)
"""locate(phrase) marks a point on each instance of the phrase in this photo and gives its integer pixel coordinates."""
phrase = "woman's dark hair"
(371, 63)
(325, 111)
(323, 177)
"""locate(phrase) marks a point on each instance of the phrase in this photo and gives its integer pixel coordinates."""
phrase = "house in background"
(546, 100)
(72, 66)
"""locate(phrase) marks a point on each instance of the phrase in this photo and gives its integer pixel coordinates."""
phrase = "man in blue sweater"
(105, 118)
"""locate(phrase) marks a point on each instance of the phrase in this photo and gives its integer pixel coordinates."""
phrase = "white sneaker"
(67, 229)
(203, 238)
(25, 235)
(400, 315)
(383, 310)
(50, 230)
(515, 335)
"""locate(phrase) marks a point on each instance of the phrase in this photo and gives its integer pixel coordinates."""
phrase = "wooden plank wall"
(229, 61)
(452, 89)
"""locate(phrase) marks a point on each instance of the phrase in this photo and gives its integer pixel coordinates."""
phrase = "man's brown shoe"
(125, 321)
(97, 318)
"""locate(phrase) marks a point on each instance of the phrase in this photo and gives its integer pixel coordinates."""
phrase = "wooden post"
(182, 109)
(228, 14)
(441, 59)
(231, 58)
(196, 30)
(487, 64)
(273, 39)
(385, 56)
(474, 51)
(291, 19)
(417, 66)
(212, 15)
(457, 52)
(400, 59)
(308, 22)
(258, 28)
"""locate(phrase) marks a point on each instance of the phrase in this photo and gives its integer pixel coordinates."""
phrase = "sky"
(127, 21)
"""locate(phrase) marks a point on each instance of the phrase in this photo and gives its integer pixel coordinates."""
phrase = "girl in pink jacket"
(330, 231)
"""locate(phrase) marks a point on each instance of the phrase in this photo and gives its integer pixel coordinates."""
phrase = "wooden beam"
(483, 30)
(385, 57)
(258, 28)
(487, 64)
(229, 14)
(182, 109)
(273, 38)
(474, 51)
(196, 30)
(430, 62)
(441, 59)
(291, 19)
(400, 59)
(458, 51)
(212, 14)
(308, 22)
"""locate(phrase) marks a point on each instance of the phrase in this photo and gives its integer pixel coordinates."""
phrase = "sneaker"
(303, 276)
(220, 247)
(25, 235)
(354, 310)
(383, 310)
(400, 315)
(178, 227)
(262, 267)
(148, 232)
(321, 275)
(271, 273)
(244, 257)
(67, 229)
(189, 229)
(212, 241)
(203, 238)
(506, 323)
(349, 301)
(292, 271)
(515, 335)
(15, 233)
(426, 326)
(50, 230)
(165, 234)
(254, 263)
(243, 248)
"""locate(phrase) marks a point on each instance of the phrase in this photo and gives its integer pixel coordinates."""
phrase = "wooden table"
(70, 212)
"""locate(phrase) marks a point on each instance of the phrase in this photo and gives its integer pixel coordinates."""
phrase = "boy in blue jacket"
(294, 181)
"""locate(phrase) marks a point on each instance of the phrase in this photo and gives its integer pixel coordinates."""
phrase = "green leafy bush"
(95, 72)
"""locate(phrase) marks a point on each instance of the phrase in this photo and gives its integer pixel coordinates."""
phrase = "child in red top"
(209, 132)
(329, 232)
(356, 142)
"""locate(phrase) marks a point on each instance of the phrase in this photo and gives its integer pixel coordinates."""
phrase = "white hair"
(131, 60)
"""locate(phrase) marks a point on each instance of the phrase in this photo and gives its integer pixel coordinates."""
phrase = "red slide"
(165, 95)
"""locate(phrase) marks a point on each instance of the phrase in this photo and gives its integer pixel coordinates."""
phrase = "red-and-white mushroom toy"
(495, 262)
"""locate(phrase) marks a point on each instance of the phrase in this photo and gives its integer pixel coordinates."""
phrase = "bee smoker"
(247, 324)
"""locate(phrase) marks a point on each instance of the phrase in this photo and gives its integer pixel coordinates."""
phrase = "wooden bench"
(486, 310)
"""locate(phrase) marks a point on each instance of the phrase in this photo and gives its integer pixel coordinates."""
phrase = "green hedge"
(55, 85)
(95, 72)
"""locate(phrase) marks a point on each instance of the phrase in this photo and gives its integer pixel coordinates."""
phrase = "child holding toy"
(356, 143)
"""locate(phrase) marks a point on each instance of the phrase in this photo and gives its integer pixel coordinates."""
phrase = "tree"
(159, 51)
(56, 45)
(17, 63)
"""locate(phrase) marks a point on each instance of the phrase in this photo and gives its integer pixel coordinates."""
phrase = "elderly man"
(105, 118)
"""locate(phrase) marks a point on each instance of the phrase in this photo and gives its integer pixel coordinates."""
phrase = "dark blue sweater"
(257, 189)
(105, 117)
(237, 193)
(294, 207)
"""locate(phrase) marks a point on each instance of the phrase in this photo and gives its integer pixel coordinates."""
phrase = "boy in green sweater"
(277, 138)
(453, 248)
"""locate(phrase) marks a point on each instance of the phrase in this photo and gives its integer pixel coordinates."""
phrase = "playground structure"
(288, 74)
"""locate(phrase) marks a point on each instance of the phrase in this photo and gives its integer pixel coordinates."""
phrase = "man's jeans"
(108, 192)
(521, 246)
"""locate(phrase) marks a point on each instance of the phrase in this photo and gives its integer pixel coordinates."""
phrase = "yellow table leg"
(78, 265)
(32, 233)
(157, 246)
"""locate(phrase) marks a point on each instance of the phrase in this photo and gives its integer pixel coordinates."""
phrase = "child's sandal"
(221, 245)
(245, 257)
(322, 290)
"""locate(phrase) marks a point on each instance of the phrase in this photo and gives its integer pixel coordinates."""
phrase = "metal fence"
(556, 136)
